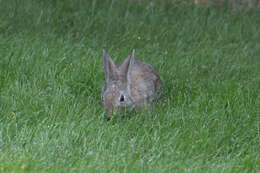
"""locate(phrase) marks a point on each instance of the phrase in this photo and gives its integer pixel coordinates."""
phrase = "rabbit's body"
(133, 84)
(146, 85)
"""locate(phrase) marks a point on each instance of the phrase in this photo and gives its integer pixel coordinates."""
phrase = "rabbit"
(134, 84)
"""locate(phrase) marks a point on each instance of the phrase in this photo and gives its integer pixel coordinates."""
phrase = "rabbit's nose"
(109, 115)
(111, 111)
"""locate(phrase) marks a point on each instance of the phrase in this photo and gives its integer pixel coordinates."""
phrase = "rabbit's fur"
(131, 85)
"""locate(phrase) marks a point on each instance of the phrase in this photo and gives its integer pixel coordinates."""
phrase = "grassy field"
(51, 74)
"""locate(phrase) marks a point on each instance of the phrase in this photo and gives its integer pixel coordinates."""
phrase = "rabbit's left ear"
(126, 68)
(109, 68)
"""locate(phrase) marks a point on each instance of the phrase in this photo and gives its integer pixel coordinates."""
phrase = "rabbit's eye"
(122, 98)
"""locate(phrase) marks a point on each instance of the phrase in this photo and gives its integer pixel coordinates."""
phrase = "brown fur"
(145, 84)
(137, 82)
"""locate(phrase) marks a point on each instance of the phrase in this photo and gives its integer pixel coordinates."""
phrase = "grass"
(51, 74)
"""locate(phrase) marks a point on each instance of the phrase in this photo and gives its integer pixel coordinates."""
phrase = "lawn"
(51, 74)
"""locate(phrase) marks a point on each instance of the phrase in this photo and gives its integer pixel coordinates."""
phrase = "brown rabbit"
(133, 84)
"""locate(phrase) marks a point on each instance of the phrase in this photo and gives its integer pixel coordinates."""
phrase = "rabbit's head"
(116, 92)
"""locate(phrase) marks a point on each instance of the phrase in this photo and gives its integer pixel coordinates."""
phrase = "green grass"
(51, 73)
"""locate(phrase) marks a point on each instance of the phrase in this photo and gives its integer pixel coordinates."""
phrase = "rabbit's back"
(146, 85)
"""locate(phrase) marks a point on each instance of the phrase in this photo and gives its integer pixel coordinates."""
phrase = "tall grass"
(51, 73)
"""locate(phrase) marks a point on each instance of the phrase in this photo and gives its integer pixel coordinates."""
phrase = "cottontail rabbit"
(133, 84)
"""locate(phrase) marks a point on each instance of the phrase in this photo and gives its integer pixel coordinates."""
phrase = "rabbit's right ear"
(109, 67)
(126, 68)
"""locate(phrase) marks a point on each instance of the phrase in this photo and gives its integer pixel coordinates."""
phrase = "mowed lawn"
(51, 74)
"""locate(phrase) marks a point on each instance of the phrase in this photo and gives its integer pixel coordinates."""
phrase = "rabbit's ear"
(109, 67)
(126, 68)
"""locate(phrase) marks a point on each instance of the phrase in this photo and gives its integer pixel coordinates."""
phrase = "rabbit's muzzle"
(114, 106)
